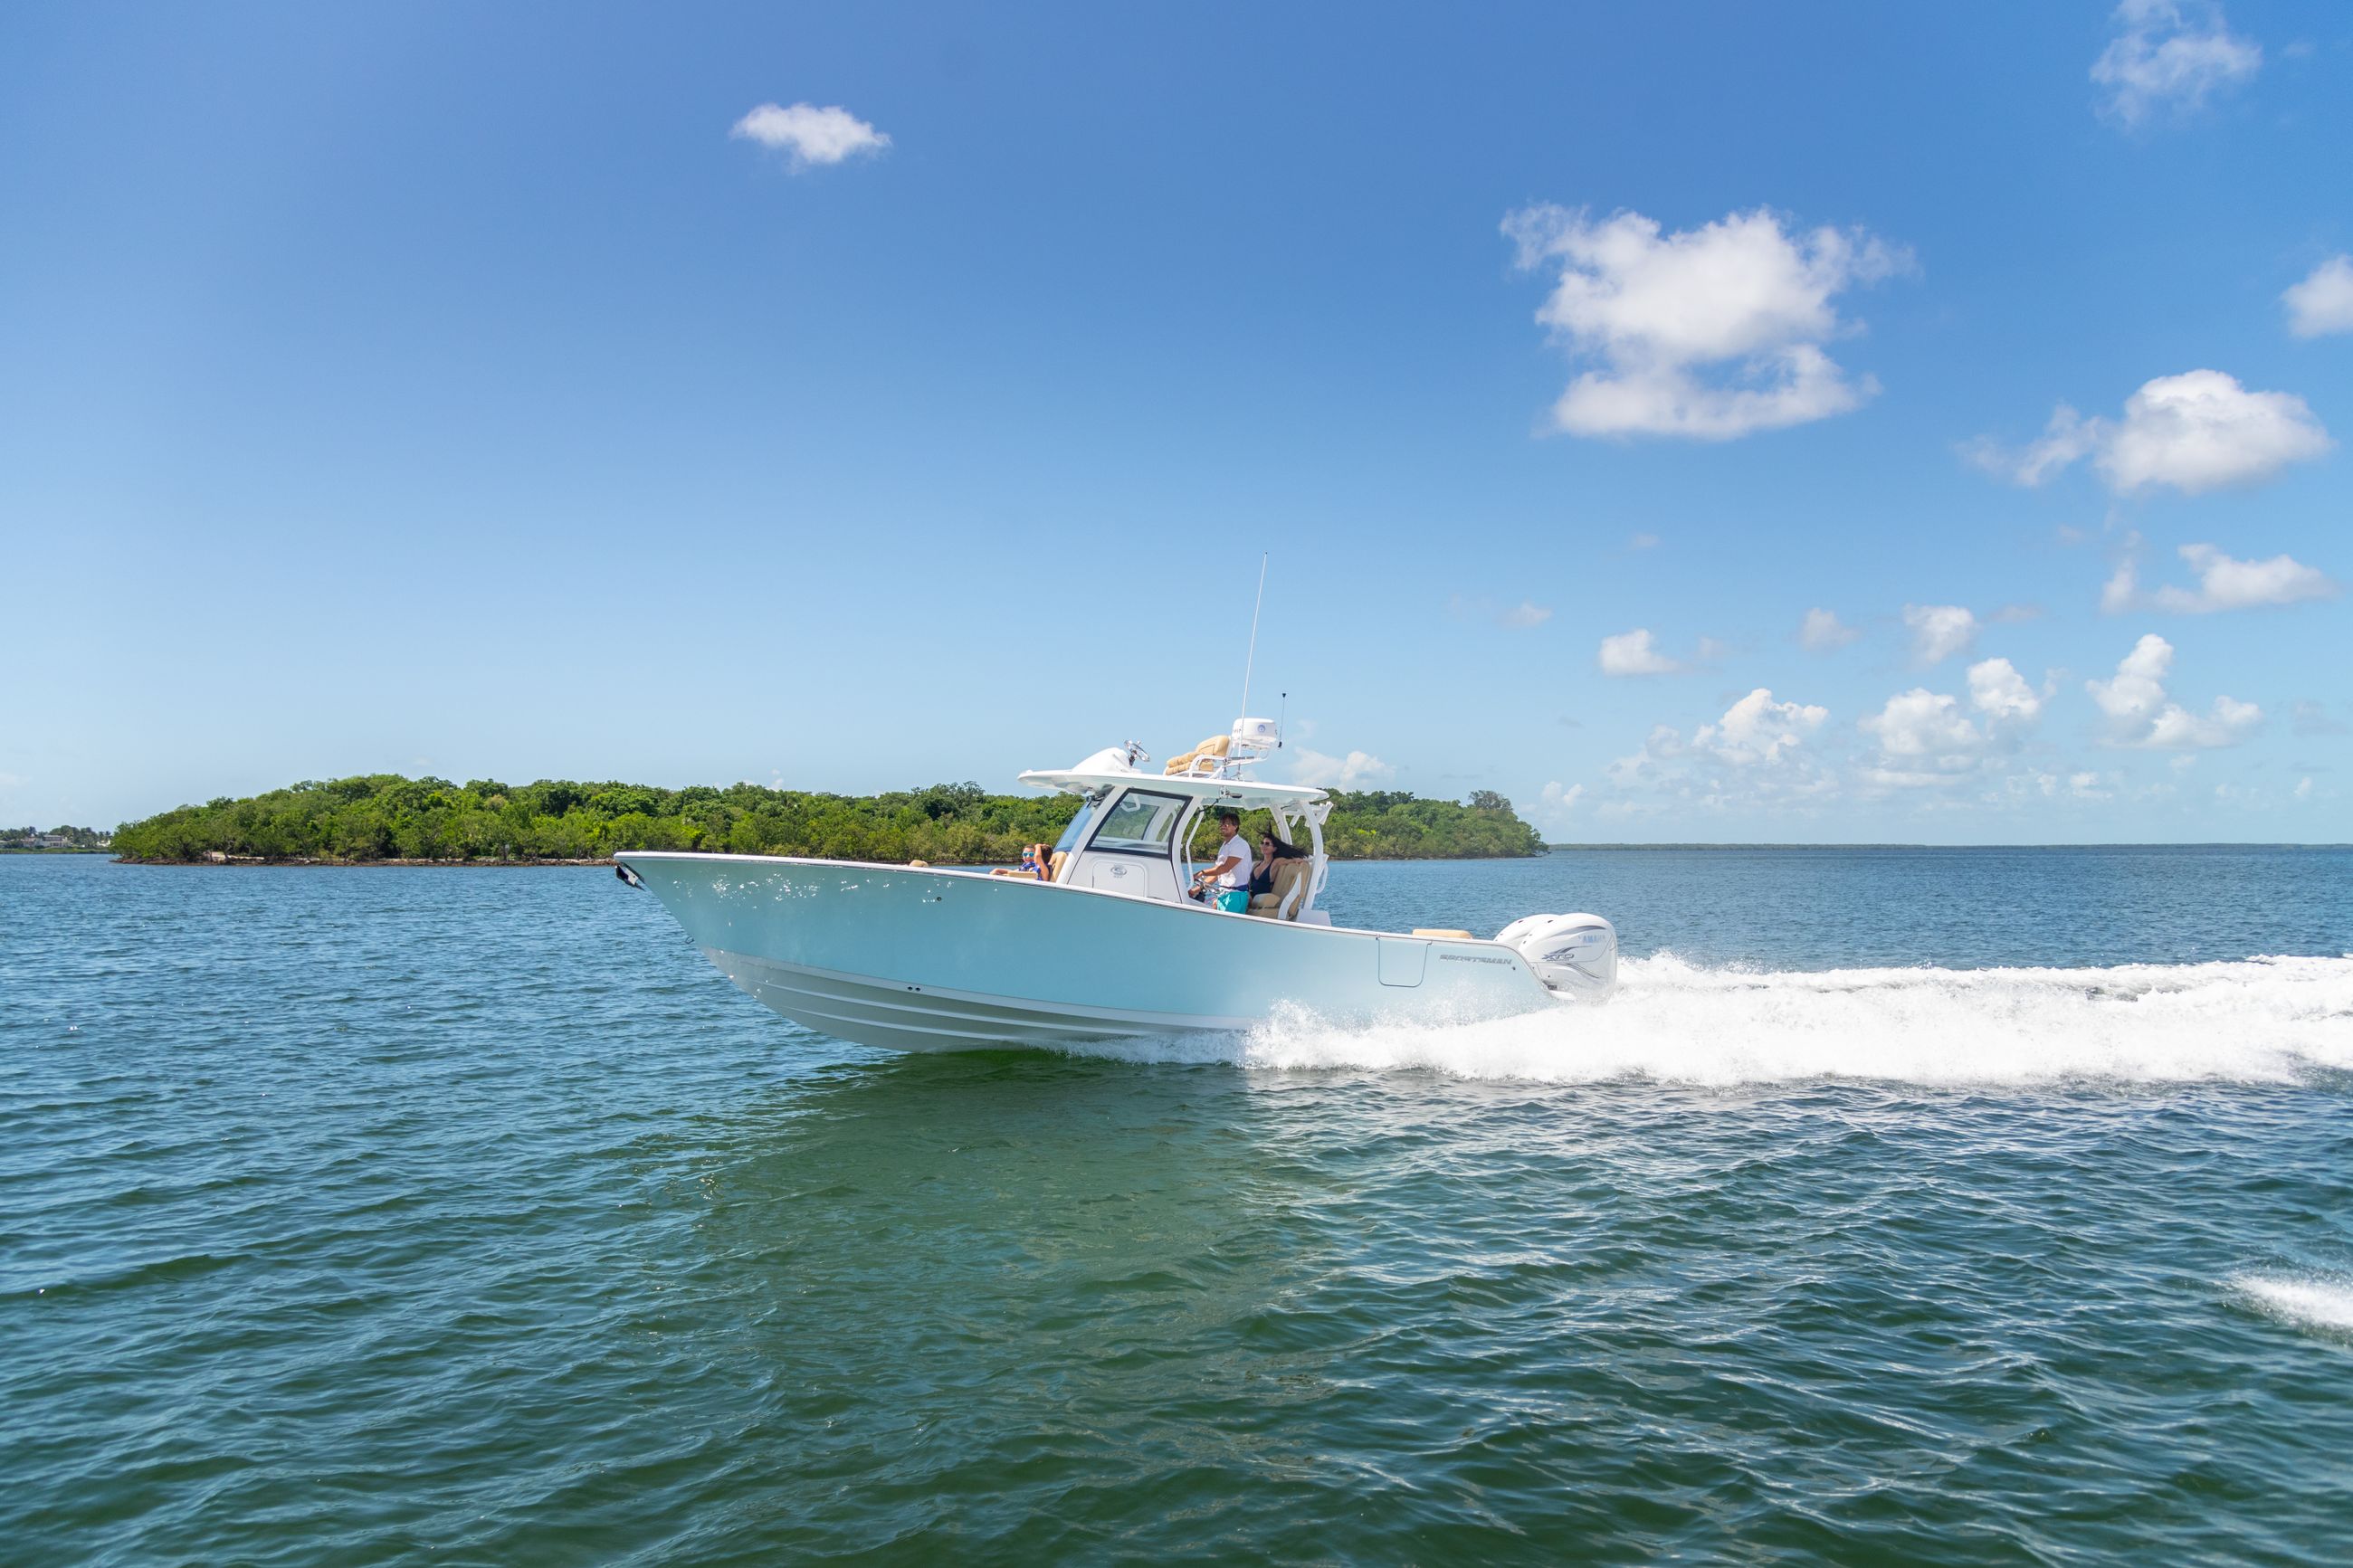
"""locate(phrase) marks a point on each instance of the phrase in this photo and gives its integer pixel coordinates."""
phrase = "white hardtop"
(1216, 778)
(1247, 793)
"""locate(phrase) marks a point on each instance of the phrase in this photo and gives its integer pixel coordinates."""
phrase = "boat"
(1106, 945)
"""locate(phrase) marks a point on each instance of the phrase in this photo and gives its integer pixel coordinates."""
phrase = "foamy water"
(2259, 1020)
(2312, 1302)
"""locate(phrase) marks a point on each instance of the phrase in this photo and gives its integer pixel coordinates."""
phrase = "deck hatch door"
(1402, 961)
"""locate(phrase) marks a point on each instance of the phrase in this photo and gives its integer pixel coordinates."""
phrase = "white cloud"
(1635, 652)
(1758, 729)
(2304, 788)
(1643, 541)
(1524, 614)
(1357, 770)
(2197, 431)
(2050, 786)
(1822, 631)
(2170, 53)
(1939, 631)
(1754, 755)
(2068, 436)
(808, 135)
(1512, 617)
(2201, 430)
(2323, 302)
(1554, 803)
(2121, 592)
(1712, 334)
(2227, 585)
(1997, 688)
(2140, 714)
(1923, 738)
(1665, 743)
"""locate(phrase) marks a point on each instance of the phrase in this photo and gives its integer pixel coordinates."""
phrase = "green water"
(354, 1217)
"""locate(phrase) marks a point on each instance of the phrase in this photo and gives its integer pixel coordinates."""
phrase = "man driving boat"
(1228, 881)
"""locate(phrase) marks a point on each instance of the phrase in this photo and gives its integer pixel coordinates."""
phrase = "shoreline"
(312, 862)
(297, 861)
(233, 861)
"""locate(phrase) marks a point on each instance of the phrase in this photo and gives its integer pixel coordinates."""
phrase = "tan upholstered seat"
(1443, 930)
(1211, 750)
(1290, 881)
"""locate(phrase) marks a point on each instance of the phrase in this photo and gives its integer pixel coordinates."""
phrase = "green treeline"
(384, 816)
(1392, 825)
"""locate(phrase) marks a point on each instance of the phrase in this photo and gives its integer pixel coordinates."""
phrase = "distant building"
(65, 838)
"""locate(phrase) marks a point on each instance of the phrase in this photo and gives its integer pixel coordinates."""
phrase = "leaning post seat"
(1202, 759)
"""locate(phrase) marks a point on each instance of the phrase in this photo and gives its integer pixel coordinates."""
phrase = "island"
(388, 819)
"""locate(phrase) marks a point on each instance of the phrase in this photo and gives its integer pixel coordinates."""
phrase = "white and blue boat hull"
(922, 959)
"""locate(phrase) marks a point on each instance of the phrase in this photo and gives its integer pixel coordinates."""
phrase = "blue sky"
(564, 392)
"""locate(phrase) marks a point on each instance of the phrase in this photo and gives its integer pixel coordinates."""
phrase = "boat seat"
(1443, 930)
(1211, 751)
(1055, 866)
(1291, 878)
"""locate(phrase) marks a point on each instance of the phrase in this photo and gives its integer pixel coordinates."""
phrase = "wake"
(2259, 1020)
(2311, 1301)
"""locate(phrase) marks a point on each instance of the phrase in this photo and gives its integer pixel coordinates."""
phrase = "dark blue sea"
(1943, 1206)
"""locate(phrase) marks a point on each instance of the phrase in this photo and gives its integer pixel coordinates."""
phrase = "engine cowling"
(1575, 955)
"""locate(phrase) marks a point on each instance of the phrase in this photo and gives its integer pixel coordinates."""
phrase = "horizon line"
(2104, 844)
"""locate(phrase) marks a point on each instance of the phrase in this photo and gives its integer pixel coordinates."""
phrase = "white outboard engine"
(1575, 955)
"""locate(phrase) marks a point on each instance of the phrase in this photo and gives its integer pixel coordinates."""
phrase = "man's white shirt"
(1239, 873)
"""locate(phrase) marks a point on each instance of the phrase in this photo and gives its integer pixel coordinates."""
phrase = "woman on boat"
(1270, 850)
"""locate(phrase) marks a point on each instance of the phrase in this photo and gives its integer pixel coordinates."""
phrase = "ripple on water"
(369, 1217)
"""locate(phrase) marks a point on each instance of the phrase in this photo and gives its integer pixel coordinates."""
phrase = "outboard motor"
(1575, 955)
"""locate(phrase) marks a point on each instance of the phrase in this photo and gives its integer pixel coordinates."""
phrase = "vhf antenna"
(1255, 607)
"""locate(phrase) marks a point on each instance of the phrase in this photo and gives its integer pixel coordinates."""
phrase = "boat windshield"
(1076, 833)
(1140, 823)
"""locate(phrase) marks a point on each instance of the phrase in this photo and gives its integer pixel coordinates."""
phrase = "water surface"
(1952, 1207)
